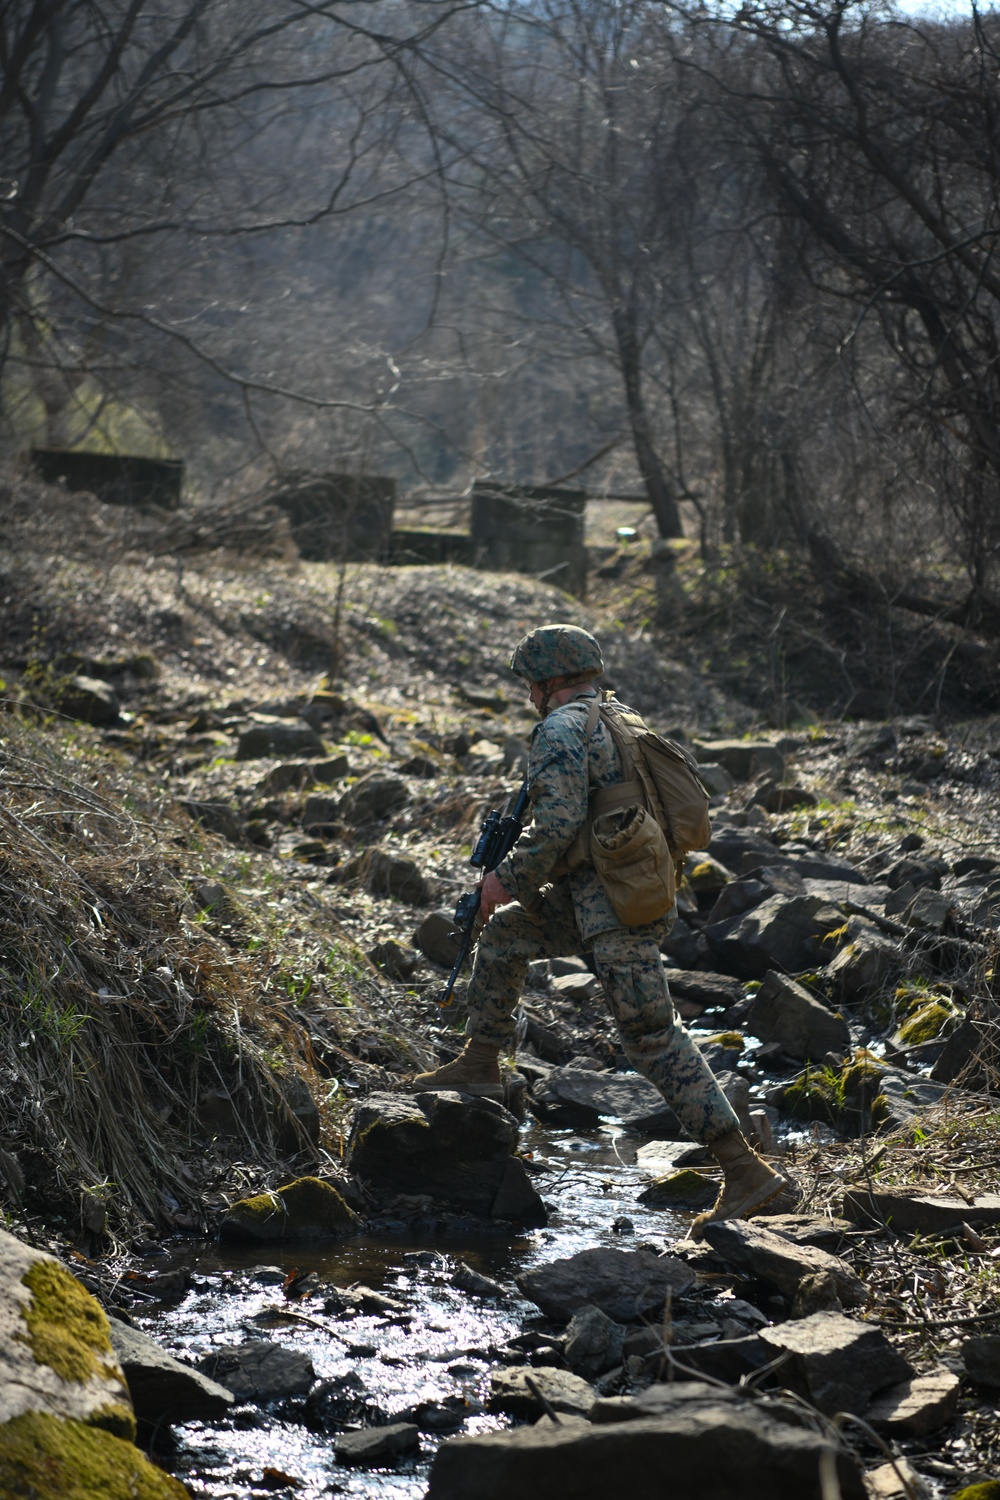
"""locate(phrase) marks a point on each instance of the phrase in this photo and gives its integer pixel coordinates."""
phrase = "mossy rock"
(862, 1075)
(814, 1096)
(925, 1024)
(55, 1346)
(708, 877)
(731, 1040)
(685, 1189)
(306, 1209)
(989, 1490)
(54, 1458)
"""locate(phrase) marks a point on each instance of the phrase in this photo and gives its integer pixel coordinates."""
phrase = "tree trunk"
(661, 492)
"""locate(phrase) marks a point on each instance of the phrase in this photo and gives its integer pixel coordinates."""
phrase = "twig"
(542, 1400)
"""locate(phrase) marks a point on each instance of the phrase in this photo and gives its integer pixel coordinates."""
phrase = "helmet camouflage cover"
(557, 651)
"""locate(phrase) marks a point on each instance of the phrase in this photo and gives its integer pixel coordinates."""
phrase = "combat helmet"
(560, 651)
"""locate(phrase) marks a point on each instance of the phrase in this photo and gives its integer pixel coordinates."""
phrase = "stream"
(443, 1347)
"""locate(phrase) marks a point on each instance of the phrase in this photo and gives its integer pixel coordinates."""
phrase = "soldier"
(532, 912)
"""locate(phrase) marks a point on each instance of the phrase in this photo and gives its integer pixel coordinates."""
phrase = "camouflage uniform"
(574, 914)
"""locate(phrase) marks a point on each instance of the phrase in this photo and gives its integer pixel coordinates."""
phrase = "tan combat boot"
(747, 1182)
(476, 1070)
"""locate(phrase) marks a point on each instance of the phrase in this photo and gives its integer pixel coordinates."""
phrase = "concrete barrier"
(116, 478)
(537, 530)
(335, 517)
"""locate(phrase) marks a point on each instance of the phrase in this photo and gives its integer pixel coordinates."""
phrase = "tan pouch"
(630, 854)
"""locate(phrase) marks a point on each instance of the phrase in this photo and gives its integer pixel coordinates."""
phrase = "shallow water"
(442, 1351)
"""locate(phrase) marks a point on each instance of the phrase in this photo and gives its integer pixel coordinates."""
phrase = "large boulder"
(373, 796)
(452, 1147)
(785, 933)
(786, 1013)
(702, 1445)
(280, 739)
(65, 1409)
(582, 1096)
(766, 1256)
(163, 1390)
(626, 1285)
(743, 759)
(89, 699)
(835, 1362)
(306, 1209)
(434, 937)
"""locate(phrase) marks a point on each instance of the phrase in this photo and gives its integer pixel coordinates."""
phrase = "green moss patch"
(67, 1328)
(729, 1039)
(686, 1189)
(50, 1458)
(988, 1491)
(306, 1209)
(924, 1024)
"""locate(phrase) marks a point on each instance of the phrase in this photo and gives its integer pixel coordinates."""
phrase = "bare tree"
(128, 127)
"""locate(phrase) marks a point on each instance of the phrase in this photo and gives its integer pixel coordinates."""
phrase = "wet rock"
(918, 1406)
(594, 1342)
(434, 938)
(704, 989)
(373, 796)
(835, 1362)
(278, 739)
(565, 1392)
(588, 1095)
(981, 1357)
(743, 759)
(663, 1157)
(163, 1390)
(466, 1279)
(784, 933)
(341, 1401)
(260, 1371)
(625, 1284)
(455, 1148)
(785, 1012)
(918, 1213)
(706, 1446)
(374, 1445)
(684, 1189)
(217, 816)
(306, 1209)
(769, 1256)
(89, 699)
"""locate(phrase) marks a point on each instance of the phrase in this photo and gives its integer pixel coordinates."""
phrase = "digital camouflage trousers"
(631, 972)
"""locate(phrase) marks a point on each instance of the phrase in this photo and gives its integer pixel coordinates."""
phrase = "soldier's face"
(536, 695)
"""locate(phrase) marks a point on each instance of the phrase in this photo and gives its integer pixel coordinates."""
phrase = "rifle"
(498, 833)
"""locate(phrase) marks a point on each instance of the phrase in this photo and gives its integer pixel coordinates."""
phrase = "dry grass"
(120, 1007)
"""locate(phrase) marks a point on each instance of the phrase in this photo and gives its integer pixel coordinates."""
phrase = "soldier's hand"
(492, 895)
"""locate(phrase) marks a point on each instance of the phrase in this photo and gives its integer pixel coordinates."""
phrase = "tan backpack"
(639, 830)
